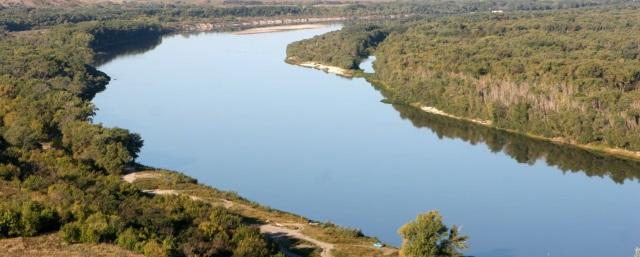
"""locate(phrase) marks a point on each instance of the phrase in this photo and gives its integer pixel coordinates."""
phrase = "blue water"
(228, 111)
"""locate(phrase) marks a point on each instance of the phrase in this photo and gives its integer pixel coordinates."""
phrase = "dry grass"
(52, 246)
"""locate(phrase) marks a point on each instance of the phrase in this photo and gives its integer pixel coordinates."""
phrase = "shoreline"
(600, 149)
(274, 223)
(279, 28)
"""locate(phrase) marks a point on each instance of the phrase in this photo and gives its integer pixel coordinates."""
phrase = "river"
(226, 109)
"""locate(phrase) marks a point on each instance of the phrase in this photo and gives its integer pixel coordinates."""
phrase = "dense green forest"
(61, 172)
(569, 74)
(24, 18)
(347, 46)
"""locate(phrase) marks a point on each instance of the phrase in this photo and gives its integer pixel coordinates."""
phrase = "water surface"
(228, 111)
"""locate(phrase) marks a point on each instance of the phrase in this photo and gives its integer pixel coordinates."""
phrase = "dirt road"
(270, 229)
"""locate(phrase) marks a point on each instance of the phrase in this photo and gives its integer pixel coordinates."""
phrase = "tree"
(108, 148)
(220, 224)
(427, 236)
(249, 242)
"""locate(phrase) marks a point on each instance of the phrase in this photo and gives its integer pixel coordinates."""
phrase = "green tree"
(220, 224)
(9, 221)
(427, 236)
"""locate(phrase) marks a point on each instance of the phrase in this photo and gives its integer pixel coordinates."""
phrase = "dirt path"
(173, 192)
(276, 230)
(295, 233)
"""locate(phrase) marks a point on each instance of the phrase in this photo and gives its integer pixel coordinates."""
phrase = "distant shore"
(613, 151)
(618, 152)
(280, 28)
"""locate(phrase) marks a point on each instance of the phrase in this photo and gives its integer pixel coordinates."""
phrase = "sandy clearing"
(172, 192)
(132, 177)
(279, 28)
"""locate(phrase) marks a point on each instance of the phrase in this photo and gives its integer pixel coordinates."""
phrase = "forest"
(18, 18)
(347, 46)
(570, 75)
(61, 172)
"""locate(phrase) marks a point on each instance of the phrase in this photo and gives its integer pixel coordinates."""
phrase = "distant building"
(497, 11)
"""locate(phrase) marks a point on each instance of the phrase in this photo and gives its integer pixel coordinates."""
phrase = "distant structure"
(497, 11)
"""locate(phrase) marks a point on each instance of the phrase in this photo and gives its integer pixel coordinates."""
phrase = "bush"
(97, 228)
(9, 222)
(9, 171)
(34, 183)
(71, 232)
(28, 219)
(154, 248)
(253, 246)
(35, 219)
(100, 228)
(220, 225)
(131, 239)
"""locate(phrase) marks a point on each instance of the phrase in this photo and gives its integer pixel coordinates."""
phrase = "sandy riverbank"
(596, 148)
(434, 110)
(326, 68)
(618, 152)
(271, 29)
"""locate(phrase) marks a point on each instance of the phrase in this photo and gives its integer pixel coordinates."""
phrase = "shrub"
(28, 219)
(155, 248)
(131, 239)
(35, 219)
(9, 222)
(253, 246)
(9, 171)
(220, 224)
(99, 228)
(71, 232)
